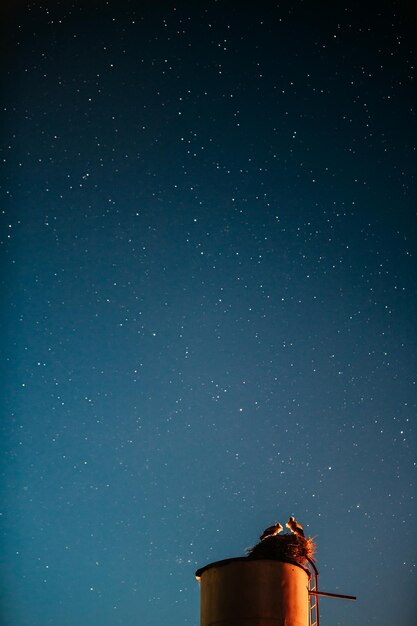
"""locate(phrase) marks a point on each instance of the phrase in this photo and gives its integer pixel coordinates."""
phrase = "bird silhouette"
(295, 527)
(271, 531)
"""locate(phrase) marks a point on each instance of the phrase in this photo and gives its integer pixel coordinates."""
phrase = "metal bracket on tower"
(314, 593)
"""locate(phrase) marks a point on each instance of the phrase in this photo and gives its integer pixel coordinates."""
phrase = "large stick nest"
(287, 548)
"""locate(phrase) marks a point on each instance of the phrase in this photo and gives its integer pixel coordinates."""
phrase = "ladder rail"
(313, 595)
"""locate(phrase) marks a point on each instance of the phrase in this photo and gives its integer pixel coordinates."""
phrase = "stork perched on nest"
(271, 531)
(295, 527)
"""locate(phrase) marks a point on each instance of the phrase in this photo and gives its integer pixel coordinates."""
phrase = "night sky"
(208, 302)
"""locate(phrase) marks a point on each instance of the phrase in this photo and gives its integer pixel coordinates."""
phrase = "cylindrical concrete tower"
(253, 592)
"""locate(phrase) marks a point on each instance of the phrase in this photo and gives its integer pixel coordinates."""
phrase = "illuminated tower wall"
(253, 592)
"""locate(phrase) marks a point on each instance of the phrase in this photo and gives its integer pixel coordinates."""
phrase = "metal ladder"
(313, 598)
(314, 593)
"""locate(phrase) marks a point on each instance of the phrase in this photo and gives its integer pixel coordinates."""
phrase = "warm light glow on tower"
(253, 592)
(276, 583)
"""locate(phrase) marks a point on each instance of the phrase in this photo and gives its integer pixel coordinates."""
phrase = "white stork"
(295, 527)
(271, 531)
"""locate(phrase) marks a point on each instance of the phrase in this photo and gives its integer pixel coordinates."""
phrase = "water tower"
(276, 584)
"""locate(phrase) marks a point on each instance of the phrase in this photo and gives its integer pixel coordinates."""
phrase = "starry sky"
(208, 302)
